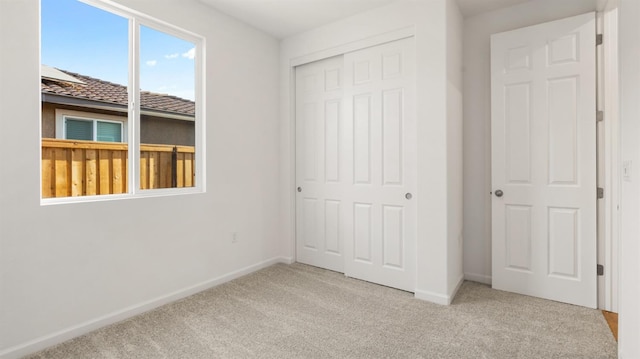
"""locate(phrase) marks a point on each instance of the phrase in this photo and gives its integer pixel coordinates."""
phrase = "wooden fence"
(84, 168)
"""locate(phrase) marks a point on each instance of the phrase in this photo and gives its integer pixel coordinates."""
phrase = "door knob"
(499, 193)
(408, 196)
(299, 189)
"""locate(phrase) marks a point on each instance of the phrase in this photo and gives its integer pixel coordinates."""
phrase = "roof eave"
(110, 106)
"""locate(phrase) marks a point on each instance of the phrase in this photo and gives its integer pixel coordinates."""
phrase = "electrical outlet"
(626, 170)
(234, 237)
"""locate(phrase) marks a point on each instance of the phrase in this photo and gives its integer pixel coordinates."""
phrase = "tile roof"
(107, 92)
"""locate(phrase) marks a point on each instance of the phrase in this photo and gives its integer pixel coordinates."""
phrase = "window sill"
(161, 192)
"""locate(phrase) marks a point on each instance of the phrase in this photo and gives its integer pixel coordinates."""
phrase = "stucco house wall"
(154, 130)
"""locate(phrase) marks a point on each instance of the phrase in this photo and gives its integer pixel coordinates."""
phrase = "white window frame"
(132, 128)
(63, 114)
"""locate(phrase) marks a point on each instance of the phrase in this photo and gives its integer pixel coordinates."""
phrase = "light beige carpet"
(298, 311)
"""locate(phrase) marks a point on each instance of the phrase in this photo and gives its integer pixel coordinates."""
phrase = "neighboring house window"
(108, 72)
(89, 130)
(92, 130)
(88, 126)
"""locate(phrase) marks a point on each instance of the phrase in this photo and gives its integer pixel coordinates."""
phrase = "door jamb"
(608, 207)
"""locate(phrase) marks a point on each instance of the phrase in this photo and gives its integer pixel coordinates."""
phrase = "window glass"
(109, 131)
(85, 65)
(79, 129)
(80, 38)
(167, 124)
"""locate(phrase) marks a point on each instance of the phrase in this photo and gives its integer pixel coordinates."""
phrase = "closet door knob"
(499, 193)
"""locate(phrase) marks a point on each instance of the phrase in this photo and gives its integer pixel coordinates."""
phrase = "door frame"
(610, 172)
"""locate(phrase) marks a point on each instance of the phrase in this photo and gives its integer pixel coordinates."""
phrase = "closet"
(356, 164)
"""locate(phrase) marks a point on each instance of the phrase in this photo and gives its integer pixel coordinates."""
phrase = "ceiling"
(284, 18)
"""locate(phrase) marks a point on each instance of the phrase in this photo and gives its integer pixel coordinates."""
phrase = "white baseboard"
(439, 298)
(432, 297)
(117, 316)
(480, 278)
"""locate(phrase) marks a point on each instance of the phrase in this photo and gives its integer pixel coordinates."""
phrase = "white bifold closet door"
(543, 133)
(356, 164)
(320, 168)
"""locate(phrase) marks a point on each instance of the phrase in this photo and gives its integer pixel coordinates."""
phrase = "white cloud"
(151, 63)
(171, 56)
(191, 54)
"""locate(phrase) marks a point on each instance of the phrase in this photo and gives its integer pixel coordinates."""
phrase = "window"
(89, 126)
(108, 72)
(92, 130)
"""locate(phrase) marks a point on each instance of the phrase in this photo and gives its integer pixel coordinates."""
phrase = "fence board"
(154, 173)
(180, 170)
(61, 175)
(47, 173)
(105, 171)
(77, 172)
(91, 175)
(165, 170)
(117, 168)
(144, 170)
(189, 170)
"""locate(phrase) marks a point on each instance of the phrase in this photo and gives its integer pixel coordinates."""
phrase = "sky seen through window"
(80, 38)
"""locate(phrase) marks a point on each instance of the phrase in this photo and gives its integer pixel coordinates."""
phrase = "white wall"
(629, 295)
(59, 274)
(477, 118)
(437, 268)
(454, 146)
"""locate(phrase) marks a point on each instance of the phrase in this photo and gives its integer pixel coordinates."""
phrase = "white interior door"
(320, 207)
(544, 160)
(356, 164)
(381, 156)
